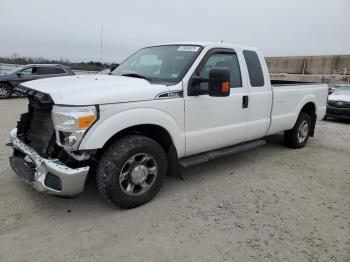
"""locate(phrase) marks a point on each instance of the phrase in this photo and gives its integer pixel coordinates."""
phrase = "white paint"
(339, 97)
(96, 89)
(195, 123)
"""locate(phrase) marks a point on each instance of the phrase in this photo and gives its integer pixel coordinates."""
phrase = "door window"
(59, 71)
(227, 61)
(46, 70)
(29, 71)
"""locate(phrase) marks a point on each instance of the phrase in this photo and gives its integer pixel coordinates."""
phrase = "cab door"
(216, 122)
(260, 96)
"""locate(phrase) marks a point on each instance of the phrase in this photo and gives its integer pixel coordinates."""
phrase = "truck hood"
(339, 97)
(96, 89)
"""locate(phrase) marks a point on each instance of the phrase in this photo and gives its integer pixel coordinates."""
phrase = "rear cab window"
(256, 75)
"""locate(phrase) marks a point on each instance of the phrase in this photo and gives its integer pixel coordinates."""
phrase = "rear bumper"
(45, 175)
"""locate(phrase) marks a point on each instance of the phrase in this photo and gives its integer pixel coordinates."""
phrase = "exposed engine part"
(86, 155)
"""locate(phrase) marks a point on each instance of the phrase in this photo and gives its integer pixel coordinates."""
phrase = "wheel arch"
(310, 109)
(7, 82)
(150, 122)
(156, 133)
(116, 123)
(153, 131)
(11, 88)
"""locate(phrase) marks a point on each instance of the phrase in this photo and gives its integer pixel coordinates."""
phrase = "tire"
(131, 171)
(298, 136)
(5, 91)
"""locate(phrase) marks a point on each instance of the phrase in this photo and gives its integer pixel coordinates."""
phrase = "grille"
(339, 104)
(35, 128)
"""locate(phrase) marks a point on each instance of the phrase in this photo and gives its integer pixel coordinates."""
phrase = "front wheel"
(299, 135)
(131, 171)
(5, 90)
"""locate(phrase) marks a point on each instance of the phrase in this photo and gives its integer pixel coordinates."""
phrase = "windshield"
(342, 90)
(160, 63)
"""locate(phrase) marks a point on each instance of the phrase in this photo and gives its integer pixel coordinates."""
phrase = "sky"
(71, 29)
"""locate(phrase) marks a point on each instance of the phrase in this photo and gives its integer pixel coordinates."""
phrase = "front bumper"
(45, 175)
(338, 112)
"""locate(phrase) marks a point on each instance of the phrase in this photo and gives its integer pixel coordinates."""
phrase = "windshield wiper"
(137, 76)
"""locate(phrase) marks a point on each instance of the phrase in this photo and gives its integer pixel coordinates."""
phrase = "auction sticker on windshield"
(188, 48)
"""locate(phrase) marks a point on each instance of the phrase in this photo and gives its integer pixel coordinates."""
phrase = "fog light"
(67, 139)
(53, 181)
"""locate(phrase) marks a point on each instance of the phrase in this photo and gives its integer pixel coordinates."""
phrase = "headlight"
(71, 123)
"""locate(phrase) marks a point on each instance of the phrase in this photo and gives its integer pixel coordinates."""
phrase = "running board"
(204, 157)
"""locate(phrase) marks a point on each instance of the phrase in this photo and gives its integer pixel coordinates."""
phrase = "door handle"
(245, 102)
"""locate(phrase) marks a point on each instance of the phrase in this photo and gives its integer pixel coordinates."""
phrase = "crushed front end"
(37, 157)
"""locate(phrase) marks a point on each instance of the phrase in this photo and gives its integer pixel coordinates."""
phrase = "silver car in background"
(10, 80)
(338, 105)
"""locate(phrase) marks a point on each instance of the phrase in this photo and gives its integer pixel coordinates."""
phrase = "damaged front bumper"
(45, 175)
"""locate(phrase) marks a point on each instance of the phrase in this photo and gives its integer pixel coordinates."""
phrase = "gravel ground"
(266, 204)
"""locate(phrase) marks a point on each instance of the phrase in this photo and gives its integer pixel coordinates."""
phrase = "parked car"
(108, 71)
(9, 81)
(164, 107)
(338, 105)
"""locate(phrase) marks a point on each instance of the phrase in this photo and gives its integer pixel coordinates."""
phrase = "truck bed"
(288, 99)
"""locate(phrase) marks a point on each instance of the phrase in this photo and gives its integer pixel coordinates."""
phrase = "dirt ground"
(267, 204)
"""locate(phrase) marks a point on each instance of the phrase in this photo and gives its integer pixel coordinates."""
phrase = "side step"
(204, 157)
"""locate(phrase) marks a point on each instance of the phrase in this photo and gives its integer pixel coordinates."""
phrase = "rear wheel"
(131, 171)
(5, 90)
(299, 135)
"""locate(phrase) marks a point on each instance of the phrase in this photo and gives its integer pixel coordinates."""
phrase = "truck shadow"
(338, 120)
(14, 97)
(90, 201)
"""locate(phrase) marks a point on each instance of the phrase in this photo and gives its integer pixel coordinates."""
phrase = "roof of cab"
(212, 45)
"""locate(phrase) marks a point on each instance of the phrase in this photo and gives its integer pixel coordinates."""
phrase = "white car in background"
(338, 105)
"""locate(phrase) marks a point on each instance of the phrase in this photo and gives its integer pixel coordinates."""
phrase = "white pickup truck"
(164, 107)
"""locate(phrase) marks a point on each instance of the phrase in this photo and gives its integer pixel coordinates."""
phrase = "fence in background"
(312, 65)
(322, 69)
(5, 68)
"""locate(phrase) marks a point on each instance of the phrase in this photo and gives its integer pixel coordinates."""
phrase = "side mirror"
(219, 82)
(19, 74)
